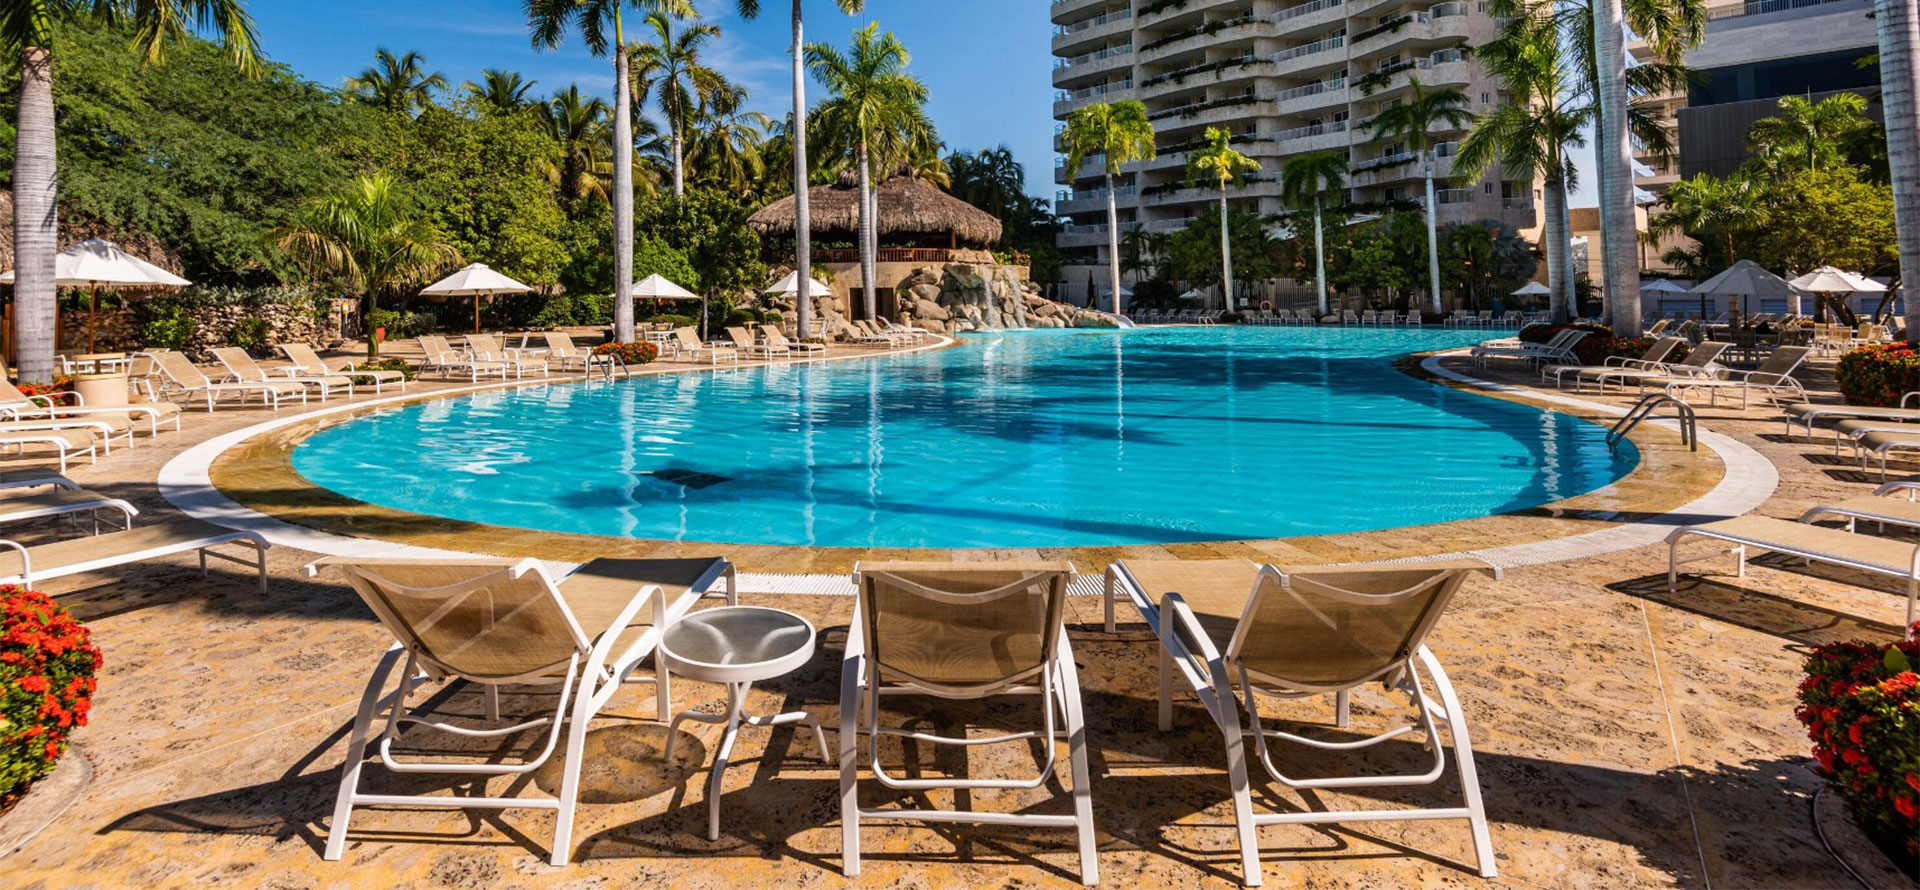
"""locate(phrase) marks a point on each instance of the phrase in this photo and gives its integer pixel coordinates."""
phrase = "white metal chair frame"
(1184, 644)
(595, 668)
(1059, 691)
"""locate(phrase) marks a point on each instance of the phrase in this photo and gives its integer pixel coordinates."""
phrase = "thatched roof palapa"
(910, 208)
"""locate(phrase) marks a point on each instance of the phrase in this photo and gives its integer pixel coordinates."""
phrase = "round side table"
(737, 646)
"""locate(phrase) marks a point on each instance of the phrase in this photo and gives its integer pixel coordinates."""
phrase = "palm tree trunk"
(1319, 258)
(1614, 147)
(1898, 23)
(1433, 230)
(36, 228)
(1113, 243)
(802, 211)
(622, 189)
(867, 269)
(1226, 255)
(679, 157)
(1555, 235)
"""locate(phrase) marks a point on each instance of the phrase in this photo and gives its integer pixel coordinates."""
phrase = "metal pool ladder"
(1647, 407)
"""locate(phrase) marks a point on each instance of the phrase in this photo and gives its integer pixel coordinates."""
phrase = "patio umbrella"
(475, 281)
(1532, 289)
(1745, 279)
(790, 287)
(94, 262)
(659, 288)
(1830, 280)
(1667, 286)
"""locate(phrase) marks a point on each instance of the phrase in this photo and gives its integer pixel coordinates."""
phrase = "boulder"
(927, 292)
(928, 309)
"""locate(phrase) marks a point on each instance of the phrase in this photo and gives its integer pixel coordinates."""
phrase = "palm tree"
(28, 28)
(499, 91)
(1409, 122)
(728, 149)
(597, 20)
(1898, 24)
(579, 124)
(1310, 177)
(1704, 205)
(874, 99)
(1813, 134)
(797, 136)
(1531, 133)
(366, 237)
(1121, 134)
(1218, 160)
(399, 84)
(671, 65)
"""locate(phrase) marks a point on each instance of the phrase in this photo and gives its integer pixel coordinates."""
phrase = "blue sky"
(985, 61)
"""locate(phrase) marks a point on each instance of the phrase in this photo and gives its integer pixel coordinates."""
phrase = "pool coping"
(1746, 480)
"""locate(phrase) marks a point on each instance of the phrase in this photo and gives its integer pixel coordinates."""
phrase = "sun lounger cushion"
(1799, 538)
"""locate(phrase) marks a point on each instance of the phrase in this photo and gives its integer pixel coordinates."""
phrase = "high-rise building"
(1284, 77)
(1755, 52)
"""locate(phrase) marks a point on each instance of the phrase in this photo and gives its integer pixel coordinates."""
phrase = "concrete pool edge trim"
(1747, 480)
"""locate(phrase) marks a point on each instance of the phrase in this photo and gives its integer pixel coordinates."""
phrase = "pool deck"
(1627, 737)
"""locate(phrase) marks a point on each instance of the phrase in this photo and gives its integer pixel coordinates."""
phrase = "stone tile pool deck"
(1626, 737)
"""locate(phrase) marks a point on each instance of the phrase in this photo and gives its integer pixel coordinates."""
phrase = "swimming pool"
(1023, 439)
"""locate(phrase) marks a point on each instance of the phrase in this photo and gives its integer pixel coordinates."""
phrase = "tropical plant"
(1897, 22)
(1217, 160)
(499, 91)
(579, 124)
(728, 151)
(1860, 703)
(797, 142)
(1410, 122)
(1808, 135)
(1120, 133)
(47, 667)
(400, 84)
(671, 66)
(1704, 206)
(597, 20)
(1530, 133)
(874, 99)
(1310, 177)
(27, 28)
(368, 239)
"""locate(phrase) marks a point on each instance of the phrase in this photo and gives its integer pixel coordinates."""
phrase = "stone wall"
(955, 297)
(119, 329)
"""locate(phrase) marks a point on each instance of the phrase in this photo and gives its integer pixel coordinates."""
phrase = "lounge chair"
(308, 363)
(487, 348)
(873, 330)
(505, 622)
(27, 566)
(1349, 317)
(245, 370)
(1885, 444)
(66, 444)
(690, 347)
(182, 375)
(442, 356)
(1230, 628)
(862, 336)
(16, 405)
(106, 427)
(1809, 413)
(1656, 355)
(19, 505)
(1370, 316)
(778, 340)
(1774, 379)
(563, 353)
(33, 477)
(743, 343)
(1880, 556)
(1700, 364)
(1559, 350)
(961, 632)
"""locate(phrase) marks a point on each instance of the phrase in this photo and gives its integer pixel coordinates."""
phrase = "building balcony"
(1220, 72)
(1085, 34)
(1212, 35)
(1306, 99)
(1192, 9)
(1200, 115)
(1096, 64)
(1309, 16)
(1068, 202)
(1313, 137)
(1083, 236)
(1063, 9)
(1311, 56)
(1065, 101)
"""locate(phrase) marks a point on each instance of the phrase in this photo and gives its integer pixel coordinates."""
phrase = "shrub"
(1541, 333)
(1861, 708)
(384, 364)
(1879, 375)
(629, 353)
(167, 327)
(400, 325)
(593, 309)
(250, 333)
(678, 321)
(47, 663)
(556, 313)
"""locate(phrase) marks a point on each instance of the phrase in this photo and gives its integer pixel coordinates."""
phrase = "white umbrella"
(475, 281)
(1746, 279)
(791, 285)
(1532, 289)
(1665, 286)
(658, 287)
(1194, 294)
(93, 263)
(1829, 280)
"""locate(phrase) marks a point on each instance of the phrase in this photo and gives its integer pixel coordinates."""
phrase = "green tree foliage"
(711, 230)
(992, 180)
(400, 84)
(1193, 253)
(1484, 260)
(1825, 217)
(192, 153)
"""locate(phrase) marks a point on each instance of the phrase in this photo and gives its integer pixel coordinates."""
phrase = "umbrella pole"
(93, 308)
(476, 313)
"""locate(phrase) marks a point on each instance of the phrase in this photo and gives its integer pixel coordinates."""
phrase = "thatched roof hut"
(913, 213)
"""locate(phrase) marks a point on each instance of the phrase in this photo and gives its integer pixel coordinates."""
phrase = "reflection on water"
(1026, 439)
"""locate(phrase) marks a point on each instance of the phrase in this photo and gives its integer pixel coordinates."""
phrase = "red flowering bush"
(47, 662)
(59, 385)
(629, 353)
(1862, 711)
(1879, 375)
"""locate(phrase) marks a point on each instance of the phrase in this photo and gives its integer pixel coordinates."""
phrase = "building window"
(1487, 189)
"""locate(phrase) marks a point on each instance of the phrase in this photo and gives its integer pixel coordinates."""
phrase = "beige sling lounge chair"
(1698, 365)
(1229, 629)
(106, 428)
(66, 444)
(1880, 556)
(308, 363)
(961, 632)
(1806, 414)
(182, 374)
(1657, 354)
(33, 477)
(26, 566)
(19, 505)
(486, 348)
(687, 342)
(16, 405)
(1773, 380)
(450, 361)
(246, 370)
(567, 355)
(778, 340)
(505, 622)
(743, 343)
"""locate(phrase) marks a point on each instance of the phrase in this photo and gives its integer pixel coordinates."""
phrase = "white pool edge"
(186, 482)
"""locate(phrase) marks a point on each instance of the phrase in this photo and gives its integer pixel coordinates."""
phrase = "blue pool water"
(1027, 439)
